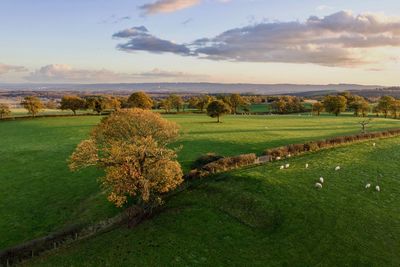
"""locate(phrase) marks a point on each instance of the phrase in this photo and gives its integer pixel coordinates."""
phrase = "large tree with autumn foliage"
(132, 147)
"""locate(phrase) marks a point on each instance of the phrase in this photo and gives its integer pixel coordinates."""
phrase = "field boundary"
(285, 152)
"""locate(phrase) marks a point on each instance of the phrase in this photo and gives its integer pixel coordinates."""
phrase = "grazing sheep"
(321, 179)
(306, 165)
(278, 158)
(374, 144)
(282, 167)
(318, 185)
(377, 188)
(287, 165)
(289, 155)
(367, 186)
(337, 168)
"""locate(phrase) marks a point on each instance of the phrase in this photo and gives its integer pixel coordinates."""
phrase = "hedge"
(296, 149)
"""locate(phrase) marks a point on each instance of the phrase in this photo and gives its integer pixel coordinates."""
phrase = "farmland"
(266, 216)
(34, 168)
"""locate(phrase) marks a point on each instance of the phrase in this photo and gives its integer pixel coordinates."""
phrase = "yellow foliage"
(131, 147)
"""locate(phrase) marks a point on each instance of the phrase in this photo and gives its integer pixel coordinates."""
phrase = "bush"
(230, 163)
(205, 159)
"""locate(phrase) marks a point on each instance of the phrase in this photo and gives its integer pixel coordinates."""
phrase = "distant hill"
(190, 88)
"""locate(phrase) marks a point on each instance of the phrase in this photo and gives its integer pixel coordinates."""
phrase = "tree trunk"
(218, 119)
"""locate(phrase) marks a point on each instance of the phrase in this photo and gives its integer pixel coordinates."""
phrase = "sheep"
(318, 185)
(373, 144)
(289, 155)
(321, 180)
(278, 158)
(377, 188)
(287, 165)
(306, 165)
(367, 186)
(282, 167)
(337, 168)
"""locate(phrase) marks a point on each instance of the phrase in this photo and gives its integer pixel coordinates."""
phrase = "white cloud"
(167, 6)
(11, 68)
(61, 73)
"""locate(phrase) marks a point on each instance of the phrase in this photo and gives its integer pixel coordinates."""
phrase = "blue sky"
(72, 41)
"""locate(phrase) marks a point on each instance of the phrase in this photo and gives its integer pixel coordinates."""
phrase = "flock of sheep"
(320, 181)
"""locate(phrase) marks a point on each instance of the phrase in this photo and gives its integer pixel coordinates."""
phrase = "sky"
(227, 41)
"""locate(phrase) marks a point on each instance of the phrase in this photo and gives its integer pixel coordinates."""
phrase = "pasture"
(39, 194)
(263, 216)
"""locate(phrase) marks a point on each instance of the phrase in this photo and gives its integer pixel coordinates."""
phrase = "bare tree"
(364, 124)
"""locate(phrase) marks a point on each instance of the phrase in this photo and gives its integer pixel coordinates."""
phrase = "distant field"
(38, 193)
(17, 112)
(264, 216)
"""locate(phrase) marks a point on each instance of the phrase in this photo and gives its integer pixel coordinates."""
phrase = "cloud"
(61, 73)
(340, 39)
(139, 39)
(115, 19)
(11, 68)
(167, 6)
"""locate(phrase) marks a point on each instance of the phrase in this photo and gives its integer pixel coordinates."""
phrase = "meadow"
(39, 194)
(263, 216)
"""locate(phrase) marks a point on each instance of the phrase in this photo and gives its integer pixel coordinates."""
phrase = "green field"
(263, 216)
(39, 194)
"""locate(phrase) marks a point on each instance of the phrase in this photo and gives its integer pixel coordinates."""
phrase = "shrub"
(229, 163)
(205, 159)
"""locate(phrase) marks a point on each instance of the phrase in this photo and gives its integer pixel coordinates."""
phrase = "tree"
(217, 108)
(166, 105)
(51, 104)
(73, 103)
(132, 147)
(113, 103)
(97, 103)
(364, 124)
(335, 104)
(140, 100)
(193, 102)
(395, 108)
(32, 104)
(385, 104)
(236, 101)
(4, 110)
(176, 102)
(318, 107)
(359, 105)
(203, 102)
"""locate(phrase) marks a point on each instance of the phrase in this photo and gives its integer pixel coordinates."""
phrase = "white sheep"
(373, 144)
(321, 180)
(306, 165)
(337, 168)
(377, 188)
(287, 165)
(367, 186)
(289, 155)
(318, 185)
(278, 158)
(282, 167)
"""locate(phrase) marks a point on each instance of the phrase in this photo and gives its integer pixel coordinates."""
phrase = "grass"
(263, 216)
(39, 194)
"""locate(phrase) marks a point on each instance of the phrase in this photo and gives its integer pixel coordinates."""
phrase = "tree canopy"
(217, 108)
(132, 147)
(32, 104)
(335, 104)
(4, 110)
(140, 100)
(73, 103)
